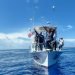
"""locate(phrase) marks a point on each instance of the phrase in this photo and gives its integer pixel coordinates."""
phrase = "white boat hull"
(46, 58)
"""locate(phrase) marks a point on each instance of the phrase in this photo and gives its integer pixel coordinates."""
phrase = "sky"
(18, 16)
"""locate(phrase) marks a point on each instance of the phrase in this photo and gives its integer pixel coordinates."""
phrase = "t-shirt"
(61, 42)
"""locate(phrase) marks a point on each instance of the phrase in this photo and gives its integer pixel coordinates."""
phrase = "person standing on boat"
(50, 38)
(41, 41)
(53, 41)
(48, 41)
(61, 43)
(36, 39)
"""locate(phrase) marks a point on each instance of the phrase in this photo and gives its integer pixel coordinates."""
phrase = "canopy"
(45, 28)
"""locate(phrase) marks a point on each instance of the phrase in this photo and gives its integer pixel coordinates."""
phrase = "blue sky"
(16, 17)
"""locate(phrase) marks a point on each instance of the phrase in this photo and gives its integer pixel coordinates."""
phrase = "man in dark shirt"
(41, 41)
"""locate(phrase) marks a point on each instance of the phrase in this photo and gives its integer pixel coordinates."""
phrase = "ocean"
(19, 62)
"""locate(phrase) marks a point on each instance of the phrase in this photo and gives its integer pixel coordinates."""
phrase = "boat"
(48, 56)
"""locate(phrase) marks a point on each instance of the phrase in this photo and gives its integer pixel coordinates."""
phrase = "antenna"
(33, 6)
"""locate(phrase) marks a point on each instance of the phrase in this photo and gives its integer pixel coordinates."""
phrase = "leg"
(41, 47)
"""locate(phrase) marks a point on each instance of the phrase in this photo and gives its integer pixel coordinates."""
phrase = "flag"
(30, 34)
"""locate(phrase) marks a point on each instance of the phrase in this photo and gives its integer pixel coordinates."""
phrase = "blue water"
(19, 62)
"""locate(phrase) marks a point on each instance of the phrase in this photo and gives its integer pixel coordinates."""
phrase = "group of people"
(38, 40)
(48, 41)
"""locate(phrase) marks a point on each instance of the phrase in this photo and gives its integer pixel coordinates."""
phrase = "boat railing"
(39, 47)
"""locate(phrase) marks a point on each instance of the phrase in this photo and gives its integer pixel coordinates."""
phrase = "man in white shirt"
(61, 43)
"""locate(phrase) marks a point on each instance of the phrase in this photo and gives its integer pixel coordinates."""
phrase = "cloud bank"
(69, 42)
(14, 40)
(20, 40)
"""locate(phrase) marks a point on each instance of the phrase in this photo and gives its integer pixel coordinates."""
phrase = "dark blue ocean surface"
(19, 62)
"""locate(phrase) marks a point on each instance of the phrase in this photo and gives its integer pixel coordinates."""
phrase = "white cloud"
(20, 40)
(69, 40)
(14, 40)
(69, 26)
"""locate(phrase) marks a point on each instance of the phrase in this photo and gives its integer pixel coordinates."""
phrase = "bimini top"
(45, 28)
